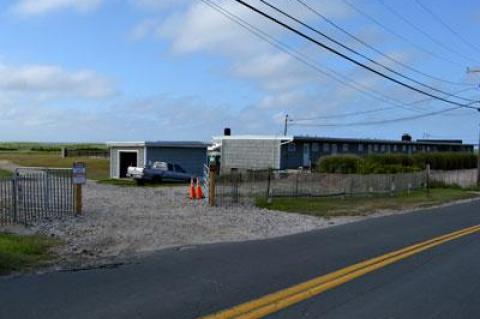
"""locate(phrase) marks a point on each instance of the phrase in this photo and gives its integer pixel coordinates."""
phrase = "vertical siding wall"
(250, 154)
(191, 160)
(115, 158)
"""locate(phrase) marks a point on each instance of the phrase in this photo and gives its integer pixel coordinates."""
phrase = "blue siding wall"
(191, 159)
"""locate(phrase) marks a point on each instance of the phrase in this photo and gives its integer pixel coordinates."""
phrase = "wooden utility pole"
(285, 126)
(212, 181)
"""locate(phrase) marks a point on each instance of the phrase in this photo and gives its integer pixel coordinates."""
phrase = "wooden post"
(212, 180)
(427, 179)
(78, 199)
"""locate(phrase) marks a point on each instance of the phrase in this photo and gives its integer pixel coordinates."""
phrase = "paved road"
(443, 282)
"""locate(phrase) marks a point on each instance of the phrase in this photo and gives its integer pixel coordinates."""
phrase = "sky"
(133, 70)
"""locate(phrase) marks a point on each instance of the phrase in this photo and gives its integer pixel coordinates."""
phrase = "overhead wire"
(424, 33)
(447, 26)
(356, 52)
(400, 36)
(299, 56)
(366, 44)
(344, 56)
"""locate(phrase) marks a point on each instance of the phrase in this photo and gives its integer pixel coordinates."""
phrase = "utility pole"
(477, 70)
(285, 126)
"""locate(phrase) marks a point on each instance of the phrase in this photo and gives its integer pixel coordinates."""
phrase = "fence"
(245, 187)
(34, 194)
(85, 153)
(463, 178)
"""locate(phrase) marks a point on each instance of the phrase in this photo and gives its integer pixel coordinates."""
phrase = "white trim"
(118, 159)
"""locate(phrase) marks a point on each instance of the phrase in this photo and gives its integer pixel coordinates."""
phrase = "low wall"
(463, 178)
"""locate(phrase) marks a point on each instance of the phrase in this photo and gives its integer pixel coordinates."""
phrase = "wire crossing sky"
(97, 70)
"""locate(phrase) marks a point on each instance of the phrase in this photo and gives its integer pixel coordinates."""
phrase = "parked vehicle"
(158, 172)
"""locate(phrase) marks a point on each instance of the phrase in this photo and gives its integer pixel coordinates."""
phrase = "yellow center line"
(279, 300)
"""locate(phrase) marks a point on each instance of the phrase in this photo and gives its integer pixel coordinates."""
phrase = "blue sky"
(105, 70)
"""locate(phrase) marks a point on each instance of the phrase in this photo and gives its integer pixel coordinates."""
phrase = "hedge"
(395, 163)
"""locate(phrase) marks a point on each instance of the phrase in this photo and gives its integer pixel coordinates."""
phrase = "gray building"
(190, 155)
(291, 152)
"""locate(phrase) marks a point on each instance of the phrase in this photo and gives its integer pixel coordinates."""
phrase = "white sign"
(79, 172)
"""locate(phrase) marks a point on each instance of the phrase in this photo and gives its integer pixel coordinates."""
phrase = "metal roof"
(367, 140)
(180, 144)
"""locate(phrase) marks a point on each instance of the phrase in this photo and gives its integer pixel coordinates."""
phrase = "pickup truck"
(158, 172)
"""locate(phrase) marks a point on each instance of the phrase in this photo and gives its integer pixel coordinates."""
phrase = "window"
(291, 147)
(428, 148)
(414, 148)
(404, 148)
(382, 148)
(326, 147)
(360, 147)
(375, 147)
(179, 169)
(345, 147)
(315, 147)
(388, 148)
(369, 148)
(170, 167)
(394, 148)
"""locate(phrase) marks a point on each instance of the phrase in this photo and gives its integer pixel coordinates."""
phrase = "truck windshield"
(179, 169)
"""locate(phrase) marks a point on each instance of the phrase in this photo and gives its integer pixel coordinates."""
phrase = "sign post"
(79, 174)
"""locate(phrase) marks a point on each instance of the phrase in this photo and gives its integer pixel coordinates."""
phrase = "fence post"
(78, 199)
(427, 178)
(14, 199)
(269, 180)
(212, 176)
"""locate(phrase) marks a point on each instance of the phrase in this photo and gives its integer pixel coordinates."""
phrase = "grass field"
(28, 146)
(361, 206)
(4, 173)
(97, 168)
(19, 253)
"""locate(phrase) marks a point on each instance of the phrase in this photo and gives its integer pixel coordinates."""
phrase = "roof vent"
(227, 131)
(406, 137)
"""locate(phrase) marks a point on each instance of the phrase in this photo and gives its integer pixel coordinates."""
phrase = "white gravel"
(125, 221)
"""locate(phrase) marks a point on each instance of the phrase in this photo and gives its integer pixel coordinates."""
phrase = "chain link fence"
(245, 187)
(34, 194)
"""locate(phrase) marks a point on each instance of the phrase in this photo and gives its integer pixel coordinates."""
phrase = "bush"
(395, 163)
(46, 149)
(346, 164)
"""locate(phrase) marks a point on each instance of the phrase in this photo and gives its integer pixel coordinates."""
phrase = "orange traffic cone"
(199, 190)
(192, 192)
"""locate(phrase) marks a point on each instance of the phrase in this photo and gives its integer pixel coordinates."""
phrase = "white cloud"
(39, 7)
(49, 81)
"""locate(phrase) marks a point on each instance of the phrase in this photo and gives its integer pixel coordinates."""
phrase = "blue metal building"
(190, 155)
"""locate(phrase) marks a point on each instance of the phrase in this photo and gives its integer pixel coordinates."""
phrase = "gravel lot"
(127, 221)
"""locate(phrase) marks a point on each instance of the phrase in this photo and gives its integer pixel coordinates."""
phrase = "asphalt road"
(443, 282)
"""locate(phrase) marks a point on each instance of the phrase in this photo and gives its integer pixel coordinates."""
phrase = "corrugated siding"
(250, 154)
(114, 158)
(191, 160)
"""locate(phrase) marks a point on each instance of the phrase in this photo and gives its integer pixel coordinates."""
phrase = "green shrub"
(345, 164)
(45, 149)
(395, 163)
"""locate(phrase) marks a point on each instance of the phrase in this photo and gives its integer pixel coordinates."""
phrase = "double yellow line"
(277, 301)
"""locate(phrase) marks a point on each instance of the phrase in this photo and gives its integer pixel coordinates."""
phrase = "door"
(306, 155)
(126, 159)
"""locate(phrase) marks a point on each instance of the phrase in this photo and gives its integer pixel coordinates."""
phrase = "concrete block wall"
(250, 154)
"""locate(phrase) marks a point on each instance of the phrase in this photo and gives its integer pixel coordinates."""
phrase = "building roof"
(253, 137)
(180, 144)
(384, 141)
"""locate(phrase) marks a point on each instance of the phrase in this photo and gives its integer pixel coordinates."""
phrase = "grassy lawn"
(4, 173)
(361, 206)
(24, 252)
(97, 168)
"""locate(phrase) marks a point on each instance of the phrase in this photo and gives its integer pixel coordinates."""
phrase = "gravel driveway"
(126, 221)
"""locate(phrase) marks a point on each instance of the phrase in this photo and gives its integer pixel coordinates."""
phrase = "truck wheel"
(157, 180)
(140, 182)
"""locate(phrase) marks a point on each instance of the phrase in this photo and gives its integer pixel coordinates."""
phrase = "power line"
(348, 82)
(340, 115)
(400, 36)
(359, 40)
(324, 46)
(355, 51)
(428, 36)
(401, 119)
(449, 28)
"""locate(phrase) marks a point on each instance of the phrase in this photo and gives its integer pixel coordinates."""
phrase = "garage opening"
(127, 159)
